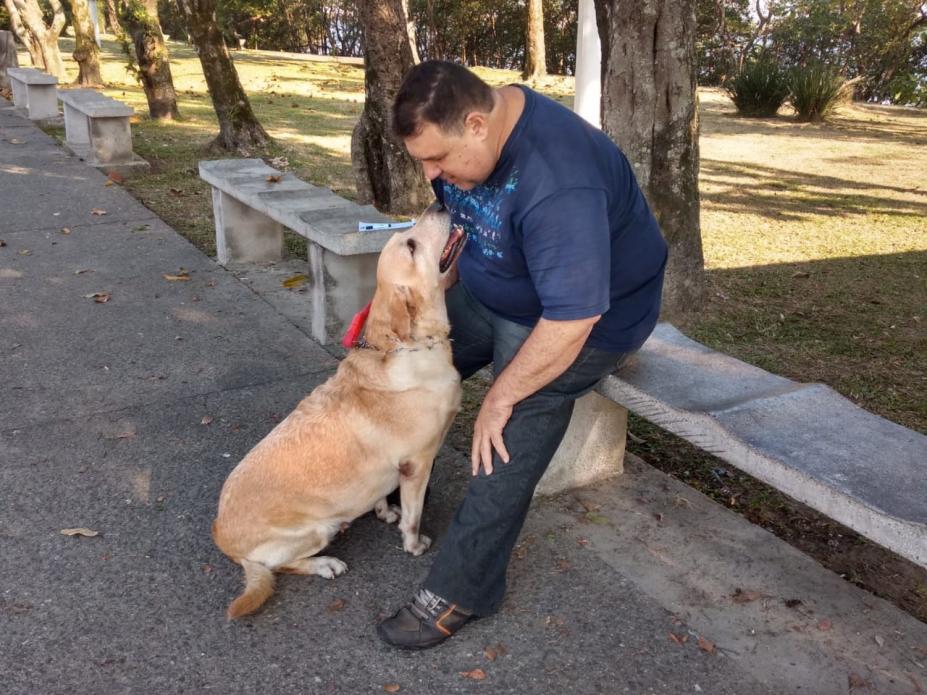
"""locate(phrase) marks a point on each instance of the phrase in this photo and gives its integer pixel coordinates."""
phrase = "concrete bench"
(253, 203)
(806, 440)
(33, 93)
(97, 130)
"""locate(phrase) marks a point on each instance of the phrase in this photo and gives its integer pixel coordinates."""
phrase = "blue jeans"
(473, 555)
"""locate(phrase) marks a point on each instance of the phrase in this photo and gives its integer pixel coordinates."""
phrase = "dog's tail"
(259, 585)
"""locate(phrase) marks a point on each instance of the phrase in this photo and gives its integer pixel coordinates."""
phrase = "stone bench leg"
(42, 101)
(19, 94)
(341, 285)
(243, 234)
(592, 448)
(110, 140)
(76, 126)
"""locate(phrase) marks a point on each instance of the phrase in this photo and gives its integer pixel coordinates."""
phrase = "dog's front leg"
(413, 479)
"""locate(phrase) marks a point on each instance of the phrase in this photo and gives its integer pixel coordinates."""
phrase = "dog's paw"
(329, 567)
(389, 513)
(417, 546)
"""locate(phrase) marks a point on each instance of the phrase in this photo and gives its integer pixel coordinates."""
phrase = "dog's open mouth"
(452, 249)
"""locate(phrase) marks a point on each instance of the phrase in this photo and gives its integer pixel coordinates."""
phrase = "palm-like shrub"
(815, 90)
(759, 88)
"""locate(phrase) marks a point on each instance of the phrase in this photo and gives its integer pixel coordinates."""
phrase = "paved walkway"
(125, 417)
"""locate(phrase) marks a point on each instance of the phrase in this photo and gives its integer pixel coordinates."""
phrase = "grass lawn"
(815, 241)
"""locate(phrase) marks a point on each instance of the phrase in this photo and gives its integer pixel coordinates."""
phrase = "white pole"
(95, 20)
(588, 99)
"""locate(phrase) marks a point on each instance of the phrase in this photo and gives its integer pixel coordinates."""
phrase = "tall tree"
(86, 52)
(649, 107)
(24, 35)
(44, 37)
(239, 129)
(143, 26)
(385, 173)
(535, 54)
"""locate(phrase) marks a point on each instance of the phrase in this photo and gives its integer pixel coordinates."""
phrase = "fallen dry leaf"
(879, 641)
(2, 243)
(206, 568)
(678, 639)
(116, 177)
(17, 141)
(915, 683)
(99, 212)
(706, 645)
(180, 277)
(82, 271)
(490, 654)
(295, 281)
(108, 183)
(206, 420)
(65, 230)
(563, 565)
(857, 681)
(274, 178)
(336, 605)
(79, 532)
(99, 297)
(801, 274)
(25, 252)
(582, 541)
(391, 687)
(476, 674)
(741, 596)
(824, 625)
(177, 192)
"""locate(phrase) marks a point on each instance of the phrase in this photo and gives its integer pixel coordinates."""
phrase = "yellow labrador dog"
(375, 425)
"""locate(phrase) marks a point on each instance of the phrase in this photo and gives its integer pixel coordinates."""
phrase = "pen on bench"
(374, 226)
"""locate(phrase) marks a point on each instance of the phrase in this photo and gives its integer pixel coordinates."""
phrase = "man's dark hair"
(441, 93)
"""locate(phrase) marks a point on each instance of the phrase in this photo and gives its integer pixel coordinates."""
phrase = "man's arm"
(549, 350)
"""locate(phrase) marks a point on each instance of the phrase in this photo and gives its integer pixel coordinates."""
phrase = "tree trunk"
(535, 53)
(239, 129)
(86, 52)
(410, 31)
(112, 17)
(650, 108)
(24, 35)
(141, 21)
(385, 173)
(45, 37)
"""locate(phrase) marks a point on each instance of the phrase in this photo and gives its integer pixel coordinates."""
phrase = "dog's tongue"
(354, 330)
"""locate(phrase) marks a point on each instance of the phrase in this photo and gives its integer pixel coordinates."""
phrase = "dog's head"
(409, 302)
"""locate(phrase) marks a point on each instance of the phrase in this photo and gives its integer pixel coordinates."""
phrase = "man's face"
(465, 160)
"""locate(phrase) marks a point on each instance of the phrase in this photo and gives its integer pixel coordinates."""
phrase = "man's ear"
(477, 123)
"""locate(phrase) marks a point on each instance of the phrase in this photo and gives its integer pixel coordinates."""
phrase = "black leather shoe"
(424, 623)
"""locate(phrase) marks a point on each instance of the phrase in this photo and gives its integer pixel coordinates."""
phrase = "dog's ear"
(393, 315)
(403, 311)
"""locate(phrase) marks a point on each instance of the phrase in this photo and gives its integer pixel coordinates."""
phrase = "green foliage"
(723, 28)
(876, 41)
(815, 90)
(759, 89)
(5, 23)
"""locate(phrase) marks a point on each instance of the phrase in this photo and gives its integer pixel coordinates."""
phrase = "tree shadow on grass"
(782, 194)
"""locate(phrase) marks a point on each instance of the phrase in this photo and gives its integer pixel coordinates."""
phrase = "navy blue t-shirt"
(560, 230)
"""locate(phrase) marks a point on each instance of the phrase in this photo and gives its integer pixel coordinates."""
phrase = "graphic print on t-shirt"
(478, 211)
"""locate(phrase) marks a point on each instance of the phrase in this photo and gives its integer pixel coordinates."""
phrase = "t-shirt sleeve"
(567, 248)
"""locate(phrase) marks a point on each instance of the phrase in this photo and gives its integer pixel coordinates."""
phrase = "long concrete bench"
(33, 93)
(97, 129)
(253, 203)
(806, 440)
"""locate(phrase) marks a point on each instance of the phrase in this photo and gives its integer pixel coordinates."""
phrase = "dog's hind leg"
(390, 513)
(323, 566)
